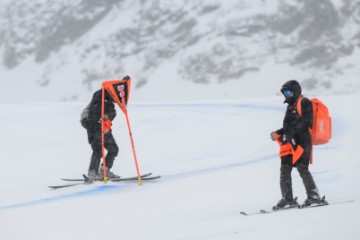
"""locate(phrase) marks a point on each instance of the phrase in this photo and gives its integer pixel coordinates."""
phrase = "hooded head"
(295, 89)
(108, 97)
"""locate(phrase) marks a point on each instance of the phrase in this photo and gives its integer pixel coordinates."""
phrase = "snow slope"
(215, 158)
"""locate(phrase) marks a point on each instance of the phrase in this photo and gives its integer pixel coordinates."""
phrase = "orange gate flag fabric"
(287, 149)
(119, 91)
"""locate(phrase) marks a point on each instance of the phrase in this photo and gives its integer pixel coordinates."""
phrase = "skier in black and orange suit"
(295, 146)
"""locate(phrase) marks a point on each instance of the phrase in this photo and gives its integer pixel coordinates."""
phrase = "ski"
(112, 179)
(143, 178)
(70, 185)
(86, 181)
(295, 206)
(262, 211)
(323, 204)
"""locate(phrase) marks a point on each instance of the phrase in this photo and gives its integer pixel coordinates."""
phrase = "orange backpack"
(321, 127)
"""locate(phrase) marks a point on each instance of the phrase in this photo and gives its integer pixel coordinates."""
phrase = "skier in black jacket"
(94, 136)
(296, 132)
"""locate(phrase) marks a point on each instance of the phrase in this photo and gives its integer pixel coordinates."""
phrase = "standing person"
(94, 135)
(295, 147)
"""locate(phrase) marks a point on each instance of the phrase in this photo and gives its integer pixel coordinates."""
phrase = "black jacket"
(294, 126)
(94, 124)
(297, 127)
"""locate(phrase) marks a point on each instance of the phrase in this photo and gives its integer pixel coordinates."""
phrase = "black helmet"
(293, 86)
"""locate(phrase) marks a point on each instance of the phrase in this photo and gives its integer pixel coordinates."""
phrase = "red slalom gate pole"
(133, 148)
(102, 133)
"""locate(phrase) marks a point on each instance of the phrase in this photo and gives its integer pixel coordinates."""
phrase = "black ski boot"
(109, 174)
(91, 177)
(285, 204)
(314, 202)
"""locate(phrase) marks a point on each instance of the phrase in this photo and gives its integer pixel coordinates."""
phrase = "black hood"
(98, 95)
(293, 86)
(108, 97)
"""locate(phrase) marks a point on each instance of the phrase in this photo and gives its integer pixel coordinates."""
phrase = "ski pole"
(133, 148)
(122, 94)
(102, 133)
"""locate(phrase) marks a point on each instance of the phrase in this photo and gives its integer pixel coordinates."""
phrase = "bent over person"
(94, 135)
(295, 147)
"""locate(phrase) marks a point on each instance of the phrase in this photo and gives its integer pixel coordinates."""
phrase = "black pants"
(109, 144)
(286, 182)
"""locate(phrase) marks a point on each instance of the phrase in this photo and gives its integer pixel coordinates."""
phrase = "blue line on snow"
(232, 165)
(224, 167)
(108, 188)
(211, 105)
(93, 191)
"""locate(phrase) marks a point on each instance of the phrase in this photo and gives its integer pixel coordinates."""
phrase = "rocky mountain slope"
(62, 50)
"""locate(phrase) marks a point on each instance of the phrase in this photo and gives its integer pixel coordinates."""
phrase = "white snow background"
(215, 158)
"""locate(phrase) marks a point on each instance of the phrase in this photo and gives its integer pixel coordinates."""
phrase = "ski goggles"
(287, 92)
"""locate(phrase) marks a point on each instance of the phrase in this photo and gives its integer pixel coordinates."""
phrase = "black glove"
(273, 135)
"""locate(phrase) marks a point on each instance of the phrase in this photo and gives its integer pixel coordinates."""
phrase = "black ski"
(324, 203)
(70, 185)
(86, 180)
(295, 206)
(111, 179)
(143, 178)
(262, 211)
(320, 204)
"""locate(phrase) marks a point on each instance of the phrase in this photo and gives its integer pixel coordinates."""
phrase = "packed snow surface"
(216, 159)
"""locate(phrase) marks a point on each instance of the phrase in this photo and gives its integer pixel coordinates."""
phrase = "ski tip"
(61, 186)
(244, 213)
(151, 178)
